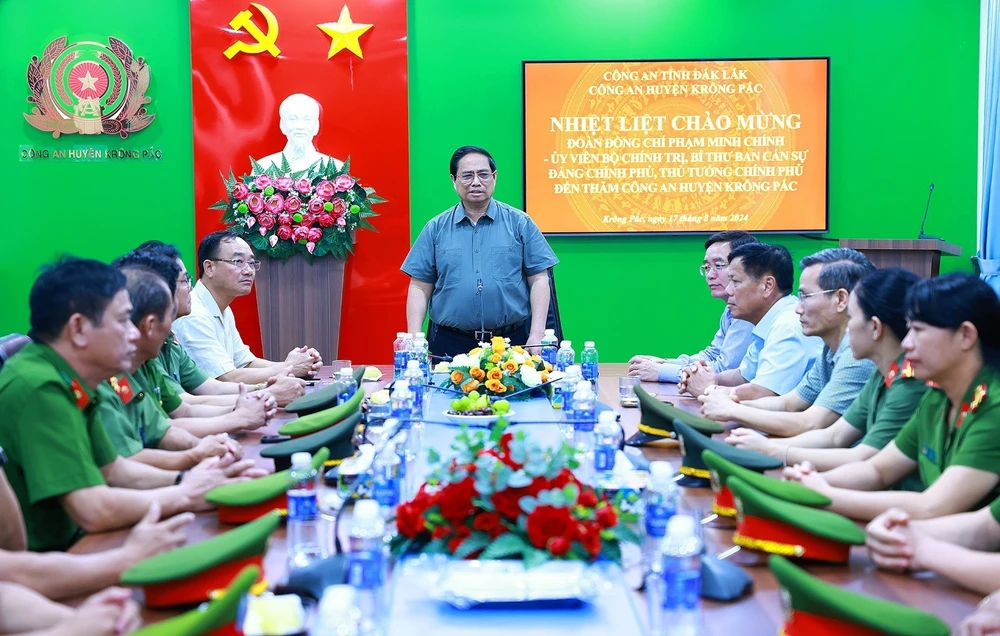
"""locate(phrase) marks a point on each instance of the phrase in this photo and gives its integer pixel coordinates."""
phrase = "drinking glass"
(340, 364)
(626, 391)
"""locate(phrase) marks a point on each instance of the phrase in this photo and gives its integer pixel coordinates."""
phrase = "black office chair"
(552, 321)
(11, 344)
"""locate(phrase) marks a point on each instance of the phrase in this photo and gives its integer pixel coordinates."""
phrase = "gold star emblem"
(89, 81)
(344, 34)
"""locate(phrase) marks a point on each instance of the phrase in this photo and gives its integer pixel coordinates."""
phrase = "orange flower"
(457, 377)
(476, 351)
(545, 376)
(518, 349)
(501, 388)
(499, 346)
(477, 373)
(495, 358)
(495, 373)
(536, 358)
(510, 366)
(470, 386)
(548, 368)
(495, 385)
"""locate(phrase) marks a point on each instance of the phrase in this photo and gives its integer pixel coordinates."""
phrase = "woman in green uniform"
(876, 327)
(952, 442)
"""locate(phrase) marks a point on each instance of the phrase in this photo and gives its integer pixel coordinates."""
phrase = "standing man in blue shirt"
(482, 265)
(760, 292)
(733, 337)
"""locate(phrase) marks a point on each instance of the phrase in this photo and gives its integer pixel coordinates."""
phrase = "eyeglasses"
(239, 263)
(485, 176)
(718, 267)
(825, 291)
(186, 280)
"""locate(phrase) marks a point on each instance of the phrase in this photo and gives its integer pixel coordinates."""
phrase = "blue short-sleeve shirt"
(479, 272)
(779, 354)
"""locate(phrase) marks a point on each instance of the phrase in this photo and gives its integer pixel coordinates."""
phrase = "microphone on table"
(922, 235)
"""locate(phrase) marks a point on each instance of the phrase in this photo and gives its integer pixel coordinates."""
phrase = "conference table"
(759, 612)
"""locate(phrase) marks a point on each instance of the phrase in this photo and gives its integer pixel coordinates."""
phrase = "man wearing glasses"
(733, 337)
(760, 291)
(226, 270)
(181, 372)
(482, 265)
(835, 380)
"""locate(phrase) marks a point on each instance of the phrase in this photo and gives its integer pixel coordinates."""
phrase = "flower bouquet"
(314, 212)
(505, 497)
(496, 368)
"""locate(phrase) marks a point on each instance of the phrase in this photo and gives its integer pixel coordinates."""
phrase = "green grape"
(501, 406)
(456, 405)
(464, 404)
(473, 395)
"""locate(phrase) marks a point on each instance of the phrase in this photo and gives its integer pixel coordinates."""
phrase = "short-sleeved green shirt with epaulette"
(50, 427)
(885, 404)
(131, 415)
(152, 380)
(180, 370)
(973, 441)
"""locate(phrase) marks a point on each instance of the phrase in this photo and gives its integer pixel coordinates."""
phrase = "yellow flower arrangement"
(496, 368)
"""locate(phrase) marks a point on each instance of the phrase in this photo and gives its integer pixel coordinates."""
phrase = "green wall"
(102, 209)
(903, 105)
(903, 113)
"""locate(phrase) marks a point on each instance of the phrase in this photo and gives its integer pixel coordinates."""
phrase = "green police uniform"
(52, 432)
(180, 370)
(972, 441)
(886, 403)
(152, 380)
(131, 415)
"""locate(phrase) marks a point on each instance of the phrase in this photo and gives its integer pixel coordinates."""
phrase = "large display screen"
(676, 146)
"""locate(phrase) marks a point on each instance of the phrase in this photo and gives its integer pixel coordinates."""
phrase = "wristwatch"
(3, 457)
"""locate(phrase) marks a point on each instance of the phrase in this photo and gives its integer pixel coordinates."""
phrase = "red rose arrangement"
(505, 497)
(314, 211)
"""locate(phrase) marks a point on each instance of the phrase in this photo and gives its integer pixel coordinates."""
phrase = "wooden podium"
(922, 256)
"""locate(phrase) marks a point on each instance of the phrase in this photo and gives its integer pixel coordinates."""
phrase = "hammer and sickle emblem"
(265, 41)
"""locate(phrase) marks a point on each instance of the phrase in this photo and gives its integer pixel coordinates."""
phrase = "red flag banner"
(246, 58)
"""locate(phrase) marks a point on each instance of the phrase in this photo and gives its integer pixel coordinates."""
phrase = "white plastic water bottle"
(400, 346)
(365, 570)
(607, 440)
(661, 505)
(550, 347)
(386, 481)
(304, 544)
(415, 377)
(562, 398)
(565, 357)
(588, 363)
(348, 387)
(681, 553)
(421, 346)
(337, 612)
(583, 430)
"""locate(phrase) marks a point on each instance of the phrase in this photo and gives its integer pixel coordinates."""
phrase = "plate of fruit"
(477, 410)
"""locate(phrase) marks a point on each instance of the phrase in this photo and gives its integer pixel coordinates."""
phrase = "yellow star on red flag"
(344, 34)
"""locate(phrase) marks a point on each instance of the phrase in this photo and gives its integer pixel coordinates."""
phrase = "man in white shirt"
(760, 286)
(226, 270)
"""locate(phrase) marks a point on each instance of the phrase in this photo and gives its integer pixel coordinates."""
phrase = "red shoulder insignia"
(907, 371)
(892, 375)
(79, 394)
(123, 388)
(978, 395)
